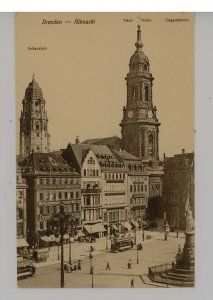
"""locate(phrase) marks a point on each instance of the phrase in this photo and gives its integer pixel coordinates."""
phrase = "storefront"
(94, 230)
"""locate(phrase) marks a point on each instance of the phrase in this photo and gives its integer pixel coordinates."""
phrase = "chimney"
(183, 151)
(77, 141)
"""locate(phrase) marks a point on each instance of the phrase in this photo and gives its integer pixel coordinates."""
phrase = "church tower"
(140, 126)
(34, 135)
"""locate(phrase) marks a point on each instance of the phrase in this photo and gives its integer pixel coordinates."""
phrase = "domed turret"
(33, 91)
(34, 134)
(140, 124)
(139, 61)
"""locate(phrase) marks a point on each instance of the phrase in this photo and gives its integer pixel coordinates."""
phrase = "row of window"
(111, 164)
(91, 173)
(38, 134)
(138, 201)
(92, 215)
(138, 179)
(139, 94)
(138, 213)
(138, 188)
(114, 188)
(109, 176)
(42, 210)
(52, 181)
(114, 200)
(91, 200)
(54, 196)
(91, 161)
(91, 184)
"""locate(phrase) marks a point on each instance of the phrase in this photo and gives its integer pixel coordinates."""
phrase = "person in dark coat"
(132, 283)
(107, 266)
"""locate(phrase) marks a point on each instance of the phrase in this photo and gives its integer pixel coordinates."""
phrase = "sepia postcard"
(105, 150)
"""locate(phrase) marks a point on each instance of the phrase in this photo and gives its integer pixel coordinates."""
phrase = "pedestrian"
(107, 266)
(173, 264)
(132, 283)
(129, 264)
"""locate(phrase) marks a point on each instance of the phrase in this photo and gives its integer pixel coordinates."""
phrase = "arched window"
(146, 90)
(150, 146)
(133, 91)
(37, 127)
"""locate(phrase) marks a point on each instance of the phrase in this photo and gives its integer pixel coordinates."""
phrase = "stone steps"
(185, 278)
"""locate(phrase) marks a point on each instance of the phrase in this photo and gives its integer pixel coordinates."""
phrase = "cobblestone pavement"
(156, 251)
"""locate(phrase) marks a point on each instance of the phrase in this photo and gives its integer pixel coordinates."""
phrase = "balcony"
(115, 181)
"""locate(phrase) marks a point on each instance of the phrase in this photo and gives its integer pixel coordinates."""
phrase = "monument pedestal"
(184, 269)
(183, 272)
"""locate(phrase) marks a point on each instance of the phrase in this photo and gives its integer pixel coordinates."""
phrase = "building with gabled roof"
(178, 187)
(50, 181)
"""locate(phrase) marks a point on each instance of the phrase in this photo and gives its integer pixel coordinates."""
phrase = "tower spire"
(139, 44)
(33, 77)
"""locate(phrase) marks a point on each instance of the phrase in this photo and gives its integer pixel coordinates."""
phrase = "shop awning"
(21, 243)
(80, 234)
(126, 225)
(135, 223)
(94, 228)
(52, 238)
(114, 227)
(45, 239)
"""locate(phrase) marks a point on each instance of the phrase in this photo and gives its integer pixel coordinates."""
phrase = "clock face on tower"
(150, 114)
(130, 114)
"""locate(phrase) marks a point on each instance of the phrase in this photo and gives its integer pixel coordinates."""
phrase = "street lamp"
(90, 258)
(177, 223)
(137, 254)
(58, 243)
(60, 222)
(166, 230)
(70, 252)
(135, 236)
(71, 228)
(107, 237)
(92, 271)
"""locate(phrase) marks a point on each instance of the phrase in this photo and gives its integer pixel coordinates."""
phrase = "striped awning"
(135, 223)
(21, 243)
(45, 239)
(126, 225)
(94, 228)
(114, 227)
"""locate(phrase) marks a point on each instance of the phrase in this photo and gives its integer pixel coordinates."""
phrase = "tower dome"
(139, 61)
(33, 91)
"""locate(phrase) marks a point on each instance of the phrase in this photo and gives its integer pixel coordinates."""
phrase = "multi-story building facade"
(34, 134)
(138, 186)
(114, 189)
(50, 181)
(110, 185)
(21, 212)
(178, 187)
(83, 159)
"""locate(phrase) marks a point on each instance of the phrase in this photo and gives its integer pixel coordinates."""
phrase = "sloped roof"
(114, 142)
(180, 160)
(40, 163)
(80, 151)
(123, 154)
